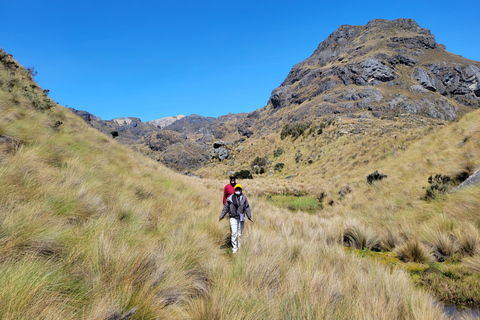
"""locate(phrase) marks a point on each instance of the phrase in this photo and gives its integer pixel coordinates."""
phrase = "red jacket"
(227, 192)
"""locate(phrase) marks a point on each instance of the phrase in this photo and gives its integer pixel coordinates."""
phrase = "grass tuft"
(360, 237)
(414, 251)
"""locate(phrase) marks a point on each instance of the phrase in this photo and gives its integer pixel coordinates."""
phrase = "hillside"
(92, 230)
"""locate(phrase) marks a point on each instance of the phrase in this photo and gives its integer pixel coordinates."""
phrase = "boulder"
(424, 79)
(280, 97)
(219, 151)
(473, 180)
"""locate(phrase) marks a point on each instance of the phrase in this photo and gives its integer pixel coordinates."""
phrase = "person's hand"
(251, 220)
(219, 219)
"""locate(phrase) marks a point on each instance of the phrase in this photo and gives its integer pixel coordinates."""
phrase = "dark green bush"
(114, 133)
(294, 130)
(258, 165)
(279, 166)
(374, 176)
(438, 184)
(243, 174)
(278, 152)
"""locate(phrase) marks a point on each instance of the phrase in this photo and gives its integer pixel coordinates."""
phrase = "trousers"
(236, 226)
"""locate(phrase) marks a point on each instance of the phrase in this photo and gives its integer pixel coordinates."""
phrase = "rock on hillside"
(163, 122)
(384, 67)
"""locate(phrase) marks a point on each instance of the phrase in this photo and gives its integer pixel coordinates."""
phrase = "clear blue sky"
(152, 59)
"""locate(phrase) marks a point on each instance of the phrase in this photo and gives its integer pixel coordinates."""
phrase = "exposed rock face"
(381, 53)
(130, 122)
(473, 180)
(163, 122)
(219, 151)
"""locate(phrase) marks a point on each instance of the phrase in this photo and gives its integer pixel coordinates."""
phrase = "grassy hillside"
(393, 215)
(92, 230)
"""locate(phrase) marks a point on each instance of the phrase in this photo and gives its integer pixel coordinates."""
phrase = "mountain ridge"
(381, 70)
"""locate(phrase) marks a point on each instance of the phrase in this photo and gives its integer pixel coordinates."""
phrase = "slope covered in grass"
(90, 229)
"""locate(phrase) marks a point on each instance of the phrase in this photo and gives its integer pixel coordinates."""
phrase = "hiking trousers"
(236, 226)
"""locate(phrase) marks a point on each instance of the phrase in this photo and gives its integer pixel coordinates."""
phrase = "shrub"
(294, 130)
(259, 161)
(438, 184)
(279, 166)
(413, 251)
(258, 165)
(243, 174)
(374, 176)
(31, 71)
(114, 133)
(278, 152)
(298, 157)
(359, 237)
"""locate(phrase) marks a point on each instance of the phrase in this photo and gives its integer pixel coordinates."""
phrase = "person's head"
(238, 189)
(233, 180)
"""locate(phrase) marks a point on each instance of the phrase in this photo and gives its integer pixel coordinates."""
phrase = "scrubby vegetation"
(293, 130)
(438, 184)
(375, 176)
(278, 152)
(243, 174)
(259, 164)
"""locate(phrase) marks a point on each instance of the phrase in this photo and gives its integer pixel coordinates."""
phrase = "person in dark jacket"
(236, 207)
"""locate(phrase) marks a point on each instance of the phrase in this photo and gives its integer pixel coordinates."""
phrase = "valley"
(357, 163)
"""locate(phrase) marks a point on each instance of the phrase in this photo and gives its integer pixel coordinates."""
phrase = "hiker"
(236, 206)
(229, 188)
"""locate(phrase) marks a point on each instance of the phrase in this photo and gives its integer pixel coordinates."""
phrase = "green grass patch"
(308, 204)
(449, 282)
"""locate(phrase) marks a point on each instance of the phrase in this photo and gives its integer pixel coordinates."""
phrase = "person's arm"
(224, 211)
(247, 210)
(224, 195)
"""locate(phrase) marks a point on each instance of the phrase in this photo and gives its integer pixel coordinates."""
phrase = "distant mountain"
(180, 142)
(382, 70)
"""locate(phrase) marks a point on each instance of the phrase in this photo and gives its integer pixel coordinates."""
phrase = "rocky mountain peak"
(394, 57)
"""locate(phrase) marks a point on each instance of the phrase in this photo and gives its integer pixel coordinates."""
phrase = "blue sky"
(153, 59)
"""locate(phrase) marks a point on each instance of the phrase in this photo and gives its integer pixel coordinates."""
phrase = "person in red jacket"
(229, 188)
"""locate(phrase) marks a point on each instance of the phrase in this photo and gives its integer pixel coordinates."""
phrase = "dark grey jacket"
(234, 212)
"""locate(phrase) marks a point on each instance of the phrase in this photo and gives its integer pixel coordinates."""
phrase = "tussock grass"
(444, 245)
(473, 263)
(414, 251)
(359, 237)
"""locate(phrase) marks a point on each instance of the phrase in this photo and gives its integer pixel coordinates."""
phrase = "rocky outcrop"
(473, 180)
(163, 122)
(161, 140)
(396, 54)
(219, 151)
(461, 82)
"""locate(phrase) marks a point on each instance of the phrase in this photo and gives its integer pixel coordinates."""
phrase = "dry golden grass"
(92, 230)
